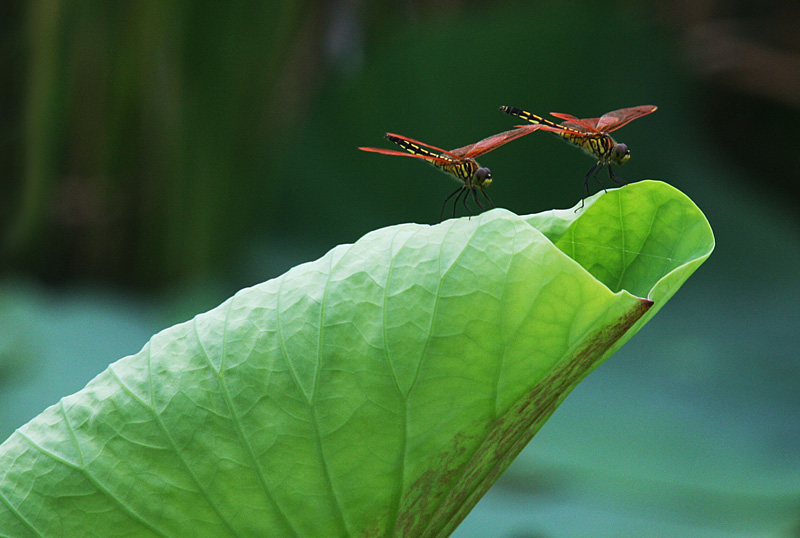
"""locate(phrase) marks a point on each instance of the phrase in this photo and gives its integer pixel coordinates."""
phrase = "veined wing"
(493, 142)
(586, 125)
(430, 158)
(616, 119)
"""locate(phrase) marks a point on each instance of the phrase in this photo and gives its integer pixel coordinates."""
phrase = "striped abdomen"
(464, 169)
(411, 147)
(599, 145)
(531, 118)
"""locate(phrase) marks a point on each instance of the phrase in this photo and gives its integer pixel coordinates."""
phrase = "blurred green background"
(159, 156)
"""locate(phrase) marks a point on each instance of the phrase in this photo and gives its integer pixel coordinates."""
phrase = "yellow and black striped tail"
(411, 147)
(527, 116)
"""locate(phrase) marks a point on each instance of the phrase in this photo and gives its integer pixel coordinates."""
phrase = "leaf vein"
(397, 495)
(82, 469)
(237, 420)
(312, 407)
(173, 445)
(18, 513)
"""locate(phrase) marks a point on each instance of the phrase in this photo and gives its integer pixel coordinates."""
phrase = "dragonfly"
(591, 135)
(459, 163)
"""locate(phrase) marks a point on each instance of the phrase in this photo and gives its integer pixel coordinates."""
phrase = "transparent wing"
(586, 125)
(612, 121)
(493, 142)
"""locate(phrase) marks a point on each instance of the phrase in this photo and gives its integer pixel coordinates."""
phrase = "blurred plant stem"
(40, 134)
(146, 128)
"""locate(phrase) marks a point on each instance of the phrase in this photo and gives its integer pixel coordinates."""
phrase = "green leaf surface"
(377, 391)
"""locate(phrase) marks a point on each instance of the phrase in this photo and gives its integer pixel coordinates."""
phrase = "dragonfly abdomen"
(411, 147)
(527, 116)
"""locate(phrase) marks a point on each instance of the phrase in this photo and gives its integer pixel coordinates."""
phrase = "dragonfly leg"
(615, 177)
(444, 205)
(596, 172)
(464, 201)
(483, 192)
(475, 197)
(592, 171)
(455, 202)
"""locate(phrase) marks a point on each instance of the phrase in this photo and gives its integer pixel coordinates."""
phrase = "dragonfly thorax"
(470, 172)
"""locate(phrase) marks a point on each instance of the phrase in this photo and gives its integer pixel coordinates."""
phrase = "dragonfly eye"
(483, 177)
(621, 153)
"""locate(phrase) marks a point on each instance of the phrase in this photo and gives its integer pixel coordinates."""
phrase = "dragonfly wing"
(430, 159)
(587, 125)
(493, 142)
(616, 119)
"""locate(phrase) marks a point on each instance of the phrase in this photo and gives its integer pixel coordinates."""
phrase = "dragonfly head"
(620, 154)
(482, 178)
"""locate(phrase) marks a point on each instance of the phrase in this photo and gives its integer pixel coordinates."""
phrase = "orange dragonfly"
(459, 163)
(591, 135)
